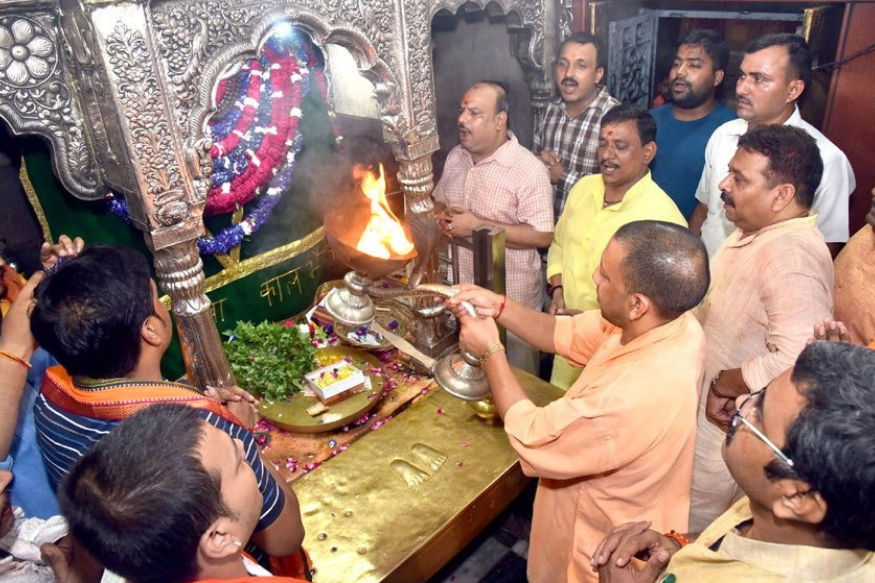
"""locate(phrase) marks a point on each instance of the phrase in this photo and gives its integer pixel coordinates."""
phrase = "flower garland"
(257, 141)
(259, 152)
(232, 236)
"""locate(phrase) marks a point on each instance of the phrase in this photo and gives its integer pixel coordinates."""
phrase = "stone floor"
(498, 554)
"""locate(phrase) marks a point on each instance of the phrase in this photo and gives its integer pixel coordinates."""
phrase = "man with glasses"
(803, 451)
(772, 278)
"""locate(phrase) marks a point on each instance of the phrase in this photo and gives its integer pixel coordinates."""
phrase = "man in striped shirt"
(566, 139)
(100, 316)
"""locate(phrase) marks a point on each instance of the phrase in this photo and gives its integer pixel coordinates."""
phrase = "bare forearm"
(286, 534)
(521, 236)
(13, 380)
(700, 213)
(536, 328)
(730, 383)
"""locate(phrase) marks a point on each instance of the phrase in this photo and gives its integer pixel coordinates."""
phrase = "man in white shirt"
(775, 71)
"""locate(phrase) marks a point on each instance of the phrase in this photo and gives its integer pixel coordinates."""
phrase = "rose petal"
(22, 31)
(40, 46)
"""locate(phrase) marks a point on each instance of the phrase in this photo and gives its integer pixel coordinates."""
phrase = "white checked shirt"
(513, 187)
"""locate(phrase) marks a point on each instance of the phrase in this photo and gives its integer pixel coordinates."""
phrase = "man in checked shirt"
(491, 181)
(566, 138)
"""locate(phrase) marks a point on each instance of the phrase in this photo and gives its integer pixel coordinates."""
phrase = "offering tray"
(291, 414)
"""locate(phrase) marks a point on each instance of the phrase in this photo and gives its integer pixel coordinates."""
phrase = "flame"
(383, 235)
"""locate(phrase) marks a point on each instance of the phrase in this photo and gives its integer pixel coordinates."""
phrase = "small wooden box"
(334, 382)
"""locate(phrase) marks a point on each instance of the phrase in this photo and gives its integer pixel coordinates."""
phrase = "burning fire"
(383, 235)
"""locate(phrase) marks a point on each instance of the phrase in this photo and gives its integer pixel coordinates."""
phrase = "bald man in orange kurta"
(619, 443)
(618, 446)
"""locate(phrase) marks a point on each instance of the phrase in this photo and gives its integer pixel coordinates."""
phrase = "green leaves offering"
(270, 359)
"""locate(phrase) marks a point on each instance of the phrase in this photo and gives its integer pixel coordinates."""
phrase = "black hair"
(585, 38)
(800, 54)
(665, 262)
(642, 118)
(140, 501)
(793, 158)
(712, 43)
(89, 314)
(832, 441)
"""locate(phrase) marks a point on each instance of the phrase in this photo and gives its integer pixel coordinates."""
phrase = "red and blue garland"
(256, 136)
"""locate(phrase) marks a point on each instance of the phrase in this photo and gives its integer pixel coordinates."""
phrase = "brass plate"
(291, 414)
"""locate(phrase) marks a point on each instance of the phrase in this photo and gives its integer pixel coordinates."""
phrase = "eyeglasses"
(738, 417)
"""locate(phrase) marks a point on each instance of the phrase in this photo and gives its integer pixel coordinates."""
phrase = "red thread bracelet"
(678, 538)
(25, 364)
(501, 308)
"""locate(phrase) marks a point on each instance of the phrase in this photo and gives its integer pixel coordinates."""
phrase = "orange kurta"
(618, 446)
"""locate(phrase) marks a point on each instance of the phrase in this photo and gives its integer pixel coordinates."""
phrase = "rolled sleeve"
(576, 338)
(555, 442)
(593, 432)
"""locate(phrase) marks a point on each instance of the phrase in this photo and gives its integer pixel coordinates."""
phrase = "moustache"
(727, 199)
(569, 81)
(743, 99)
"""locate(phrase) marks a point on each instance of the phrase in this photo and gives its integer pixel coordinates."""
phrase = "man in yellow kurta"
(803, 451)
(597, 206)
(619, 443)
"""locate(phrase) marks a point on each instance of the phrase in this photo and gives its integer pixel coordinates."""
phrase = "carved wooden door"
(631, 57)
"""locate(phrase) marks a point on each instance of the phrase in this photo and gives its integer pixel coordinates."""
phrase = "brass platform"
(409, 496)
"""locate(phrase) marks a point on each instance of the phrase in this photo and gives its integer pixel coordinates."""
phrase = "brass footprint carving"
(434, 458)
(412, 475)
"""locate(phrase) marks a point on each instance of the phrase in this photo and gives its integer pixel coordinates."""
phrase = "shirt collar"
(636, 191)
(502, 156)
(598, 102)
(737, 239)
(794, 120)
(795, 562)
(669, 332)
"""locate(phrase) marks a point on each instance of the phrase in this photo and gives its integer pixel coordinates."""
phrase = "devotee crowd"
(716, 425)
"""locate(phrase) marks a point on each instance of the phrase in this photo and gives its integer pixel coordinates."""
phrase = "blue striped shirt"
(63, 437)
